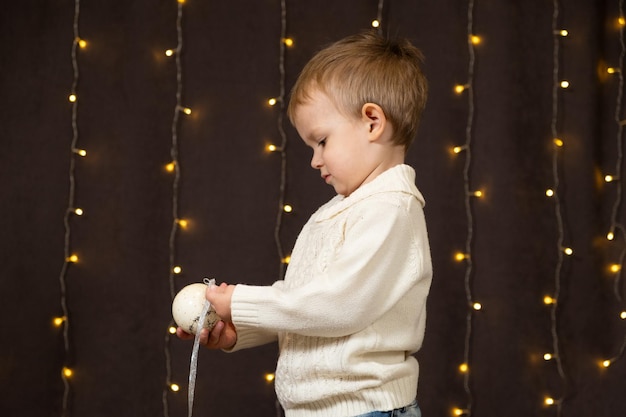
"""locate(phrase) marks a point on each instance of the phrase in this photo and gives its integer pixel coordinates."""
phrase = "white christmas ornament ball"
(187, 308)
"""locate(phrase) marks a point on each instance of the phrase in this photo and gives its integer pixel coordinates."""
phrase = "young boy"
(351, 310)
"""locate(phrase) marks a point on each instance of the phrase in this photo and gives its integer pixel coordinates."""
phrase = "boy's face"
(342, 149)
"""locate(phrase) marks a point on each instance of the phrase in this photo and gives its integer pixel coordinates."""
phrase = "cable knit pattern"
(351, 310)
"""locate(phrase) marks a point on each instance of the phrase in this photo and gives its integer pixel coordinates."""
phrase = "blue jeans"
(411, 410)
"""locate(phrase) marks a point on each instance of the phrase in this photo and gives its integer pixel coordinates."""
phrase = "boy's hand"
(220, 297)
(223, 336)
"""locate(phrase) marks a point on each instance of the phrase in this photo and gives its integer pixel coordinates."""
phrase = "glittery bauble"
(187, 308)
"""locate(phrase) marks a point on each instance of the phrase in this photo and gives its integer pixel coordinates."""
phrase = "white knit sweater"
(351, 310)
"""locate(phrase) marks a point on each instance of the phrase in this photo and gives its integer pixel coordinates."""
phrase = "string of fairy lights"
(69, 257)
(553, 301)
(178, 223)
(469, 194)
(616, 225)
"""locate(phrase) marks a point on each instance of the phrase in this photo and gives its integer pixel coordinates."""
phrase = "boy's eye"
(322, 142)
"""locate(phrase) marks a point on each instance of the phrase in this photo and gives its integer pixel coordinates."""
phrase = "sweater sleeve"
(383, 255)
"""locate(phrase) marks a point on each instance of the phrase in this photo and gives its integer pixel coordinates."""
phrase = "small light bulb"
(182, 223)
(459, 88)
(548, 401)
(568, 251)
(172, 330)
(557, 142)
(82, 43)
(563, 32)
(615, 268)
(67, 372)
(622, 315)
(287, 208)
(458, 149)
(175, 387)
(547, 356)
(477, 193)
(288, 41)
(170, 167)
(612, 70)
(72, 258)
(550, 192)
(548, 300)
(177, 269)
(477, 306)
(606, 363)
(564, 84)
(475, 39)
(286, 259)
(610, 236)
(169, 52)
(272, 101)
(269, 377)
(608, 178)
(457, 411)
(271, 148)
(621, 21)
(58, 321)
(80, 152)
(463, 368)
(78, 211)
(375, 23)
(72, 98)
(187, 110)
(181, 1)
(460, 256)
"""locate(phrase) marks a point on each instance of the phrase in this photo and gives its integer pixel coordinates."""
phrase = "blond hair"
(368, 68)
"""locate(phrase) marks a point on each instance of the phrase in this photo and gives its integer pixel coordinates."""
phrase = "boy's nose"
(316, 161)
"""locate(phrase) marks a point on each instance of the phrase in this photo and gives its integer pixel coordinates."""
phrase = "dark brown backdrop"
(118, 293)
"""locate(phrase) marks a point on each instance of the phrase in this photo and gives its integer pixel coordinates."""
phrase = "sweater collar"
(400, 178)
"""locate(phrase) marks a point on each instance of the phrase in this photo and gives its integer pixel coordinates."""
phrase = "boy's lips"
(326, 177)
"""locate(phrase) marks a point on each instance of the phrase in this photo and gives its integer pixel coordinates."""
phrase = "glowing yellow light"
(477, 193)
(564, 84)
(615, 267)
(269, 377)
(548, 300)
(458, 149)
(272, 101)
(548, 401)
(610, 236)
(287, 208)
(558, 142)
(72, 98)
(475, 39)
(612, 70)
(457, 411)
(547, 356)
(177, 269)
(82, 43)
(172, 330)
(181, 1)
(175, 387)
(459, 88)
(78, 211)
(271, 148)
(169, 52)
(375, 23)
(550, 192)
(563, 32)
(80, 152)
(186, 110)
(170, 167)
(622, 315)
(608, 178)
(288, 41)
(58, 321)
(183, 223)
(463, 368)
(568, 251)
(606, 363)
(477, 306)
(72, 258)
(67, 372)
(621, 21)
(286, 259)
(460, 256)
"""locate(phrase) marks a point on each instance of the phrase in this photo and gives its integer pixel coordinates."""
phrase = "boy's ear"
(374, 117)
